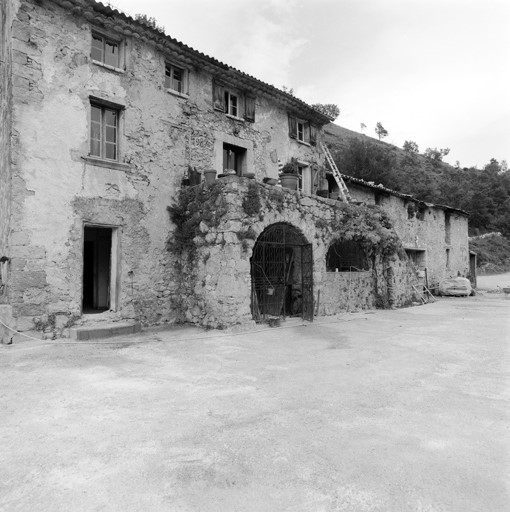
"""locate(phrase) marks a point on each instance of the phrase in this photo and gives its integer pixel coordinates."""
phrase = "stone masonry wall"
(6, 13)
(426, 232)
(57, 189)
(215, 284)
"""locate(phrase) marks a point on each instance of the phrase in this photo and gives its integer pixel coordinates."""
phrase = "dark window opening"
(346, 256)
(416, 257)
(420, 214)
(448, 228)
(234, 158)
(97, 246)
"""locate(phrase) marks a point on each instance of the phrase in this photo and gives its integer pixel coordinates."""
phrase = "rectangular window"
(299, 129)
(175, 78)
(231, 102)
(448, 228)
(104, 127)
(234, 159)
(105, 50)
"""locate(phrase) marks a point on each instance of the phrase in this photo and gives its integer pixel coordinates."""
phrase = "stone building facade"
(434, 236)
(103, 121)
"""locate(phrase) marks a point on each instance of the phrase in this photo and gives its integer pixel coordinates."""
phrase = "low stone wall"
(218, 227)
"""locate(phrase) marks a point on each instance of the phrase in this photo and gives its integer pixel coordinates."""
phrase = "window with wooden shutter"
(249, 110)
(292, 127)
(313, 135)
(218, 97)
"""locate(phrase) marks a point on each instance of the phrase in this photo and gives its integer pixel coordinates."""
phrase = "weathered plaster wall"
(56, 189)
(426, 233)
(216, 285)
(7, 8)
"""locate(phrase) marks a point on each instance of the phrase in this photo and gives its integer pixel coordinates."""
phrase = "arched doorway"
(282, 274)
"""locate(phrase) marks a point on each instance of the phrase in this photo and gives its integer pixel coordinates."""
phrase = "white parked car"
(457, 286)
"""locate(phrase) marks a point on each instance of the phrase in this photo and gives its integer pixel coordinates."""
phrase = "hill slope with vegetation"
(483, 193)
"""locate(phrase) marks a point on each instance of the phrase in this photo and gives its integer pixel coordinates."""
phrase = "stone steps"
(104, 330)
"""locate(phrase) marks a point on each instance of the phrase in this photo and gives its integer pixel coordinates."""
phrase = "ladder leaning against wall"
(344, 192)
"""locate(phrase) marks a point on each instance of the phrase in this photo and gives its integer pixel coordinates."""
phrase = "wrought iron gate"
(282, 274)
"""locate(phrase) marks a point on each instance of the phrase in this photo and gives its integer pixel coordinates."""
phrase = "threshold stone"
(104, 330)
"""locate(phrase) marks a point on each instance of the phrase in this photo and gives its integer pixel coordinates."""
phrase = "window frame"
(302, 130)
(168, 80)
(106, 38)
(232, 103)
(242, 109)
(239, 156)
(104, 107)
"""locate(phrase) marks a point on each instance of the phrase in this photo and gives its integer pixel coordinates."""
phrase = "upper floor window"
(233, 102)
(302, 130)
(104, 128)
(175, 78)
(105, 50)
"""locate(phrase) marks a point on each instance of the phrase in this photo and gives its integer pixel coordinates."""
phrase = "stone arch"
(281, 269)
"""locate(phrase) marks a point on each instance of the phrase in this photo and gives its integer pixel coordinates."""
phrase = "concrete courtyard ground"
(404, 410)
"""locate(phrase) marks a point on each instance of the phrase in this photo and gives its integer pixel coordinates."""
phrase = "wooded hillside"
(483, 193)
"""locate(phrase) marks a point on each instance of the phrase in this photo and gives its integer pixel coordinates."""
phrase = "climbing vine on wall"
(251, 203)
(369, 225)
(193, 207)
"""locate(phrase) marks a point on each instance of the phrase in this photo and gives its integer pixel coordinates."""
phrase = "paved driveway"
(393, 411)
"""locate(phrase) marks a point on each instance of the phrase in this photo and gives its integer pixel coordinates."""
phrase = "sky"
(436, 72)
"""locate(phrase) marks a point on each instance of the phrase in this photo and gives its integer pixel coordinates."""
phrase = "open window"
(302, 130)
(106, 51)
(176, 79)
(234, 158)
(346, 256)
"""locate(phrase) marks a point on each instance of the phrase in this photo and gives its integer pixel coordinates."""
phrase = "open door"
(97, 251)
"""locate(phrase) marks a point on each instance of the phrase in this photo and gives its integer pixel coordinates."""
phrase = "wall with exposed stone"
(215, 284)
(6, 13)
(57, 188)
(423, 227)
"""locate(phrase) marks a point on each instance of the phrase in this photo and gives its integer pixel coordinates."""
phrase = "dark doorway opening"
(282, 274)
(97, 249)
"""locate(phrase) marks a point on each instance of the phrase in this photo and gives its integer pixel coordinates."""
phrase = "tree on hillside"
(410, 147)
(288, 90)
(380, 130)
(436, 155)
(328, 109)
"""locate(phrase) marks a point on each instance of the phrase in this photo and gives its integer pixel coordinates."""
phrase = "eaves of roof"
(407, 197)
(120, 23)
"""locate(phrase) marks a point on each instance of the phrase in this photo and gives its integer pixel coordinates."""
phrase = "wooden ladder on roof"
(344, 192)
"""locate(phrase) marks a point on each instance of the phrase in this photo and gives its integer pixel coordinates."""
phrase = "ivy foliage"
(193, 206)
(251, 203)
(368, 225)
